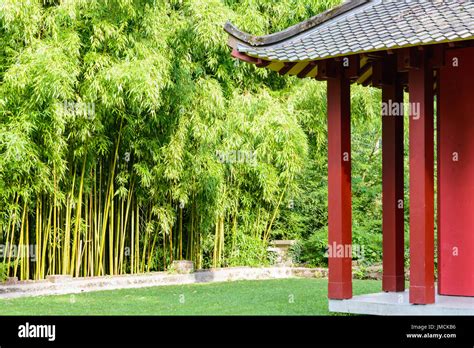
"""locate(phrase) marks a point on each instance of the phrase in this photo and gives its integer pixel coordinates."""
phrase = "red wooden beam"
(377, 74)
(392, 178)
(363, 70)
(438, 174)
(455, 175)
(437, 57)
(243, 57)
(263, 63)
(286, 68)
(339, 187)
(408, 58)
(307, 69)
(327, 68)
(421, 184)
(384, 71)
(248, 59)
(351, 66)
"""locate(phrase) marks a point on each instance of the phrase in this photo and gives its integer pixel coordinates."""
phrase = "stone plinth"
(281, 248)
(182, 266)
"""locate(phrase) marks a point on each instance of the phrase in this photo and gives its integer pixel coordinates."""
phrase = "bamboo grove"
(129, 138)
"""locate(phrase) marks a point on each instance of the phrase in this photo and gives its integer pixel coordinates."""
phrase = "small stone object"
(57, 278)
(183, 266)
(281, 248)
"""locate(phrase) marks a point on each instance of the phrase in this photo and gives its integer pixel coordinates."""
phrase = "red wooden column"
(421, 183)
(339, 187)
(392, 180)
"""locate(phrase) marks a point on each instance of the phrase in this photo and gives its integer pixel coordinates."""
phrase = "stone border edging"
(61, 285)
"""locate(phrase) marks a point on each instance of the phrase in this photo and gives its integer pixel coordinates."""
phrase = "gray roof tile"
(376, 25)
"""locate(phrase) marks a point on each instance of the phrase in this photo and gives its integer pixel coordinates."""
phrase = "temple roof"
(358, 26)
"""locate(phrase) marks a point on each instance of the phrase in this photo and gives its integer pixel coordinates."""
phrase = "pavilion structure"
(425, 48)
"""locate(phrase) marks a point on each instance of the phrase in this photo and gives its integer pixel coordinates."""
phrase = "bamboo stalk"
(38, 238)
(137, 240)
(267, 231)
(11, 231)
(19, 252)
(111, 232)
(132, 242)
(145, 244)
(67, 228)
(54, 239)
(180, 232)
(124, 229)
(109, 199)
(26, 259)
(78, 220)
(216, 244)
(221, 240)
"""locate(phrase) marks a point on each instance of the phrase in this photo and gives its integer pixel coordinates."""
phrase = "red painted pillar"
(339, 188)
(392, 185)
(421, 184)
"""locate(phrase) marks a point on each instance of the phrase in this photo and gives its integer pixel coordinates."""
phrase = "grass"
(296, 296)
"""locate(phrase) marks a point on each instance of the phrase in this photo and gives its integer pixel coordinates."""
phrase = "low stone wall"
(310, 272)
(57, 285)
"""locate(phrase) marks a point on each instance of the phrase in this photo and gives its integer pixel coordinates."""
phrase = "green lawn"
(298, 296)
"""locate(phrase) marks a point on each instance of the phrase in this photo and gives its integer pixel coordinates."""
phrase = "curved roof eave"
(264, 40)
